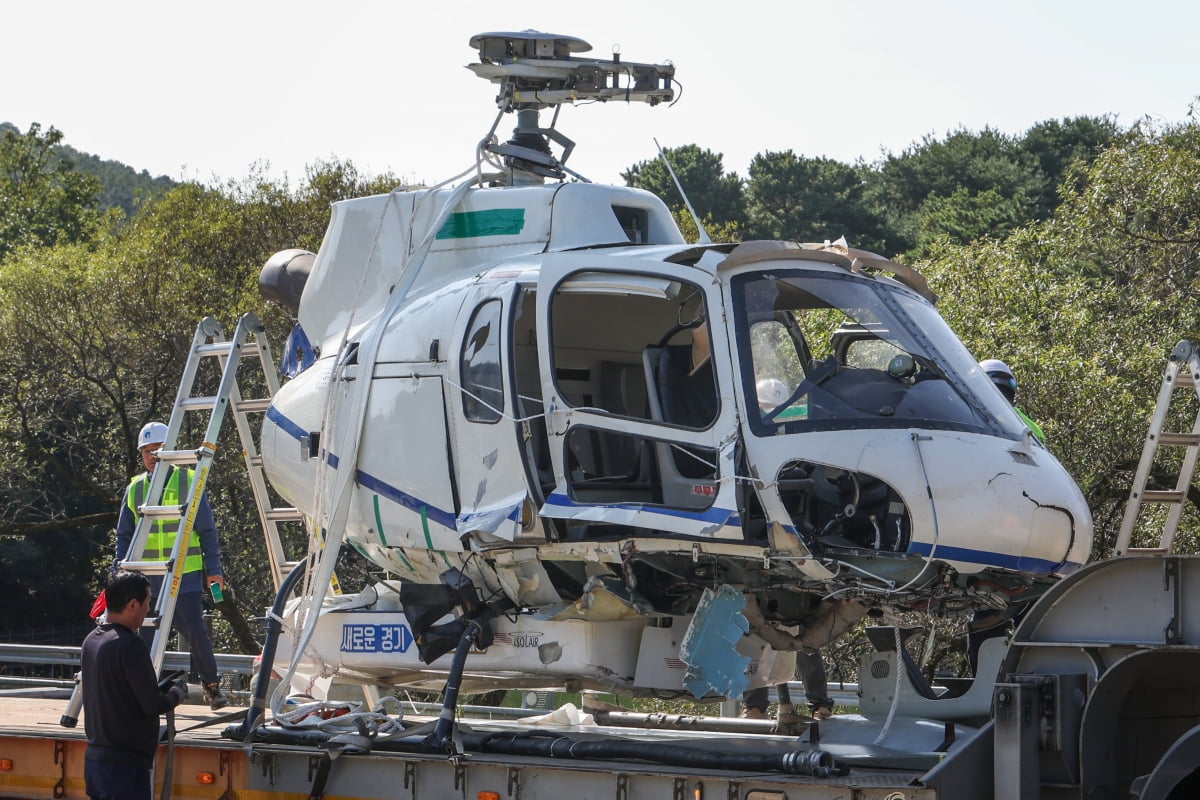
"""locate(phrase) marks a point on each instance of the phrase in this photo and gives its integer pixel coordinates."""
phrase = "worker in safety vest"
(1006, 382)
(202, 557)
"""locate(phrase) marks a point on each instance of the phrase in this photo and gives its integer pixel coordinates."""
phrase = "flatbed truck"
(1096, 696)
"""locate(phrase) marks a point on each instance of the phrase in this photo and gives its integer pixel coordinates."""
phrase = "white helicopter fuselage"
(659, 463)
(510, 427)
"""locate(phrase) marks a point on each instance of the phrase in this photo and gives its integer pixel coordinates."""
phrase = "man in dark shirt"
(121, 696)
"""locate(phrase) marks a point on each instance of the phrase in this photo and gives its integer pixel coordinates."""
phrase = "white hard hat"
(994, 365)
(771, 392)
(152, 433)
(1000, 375)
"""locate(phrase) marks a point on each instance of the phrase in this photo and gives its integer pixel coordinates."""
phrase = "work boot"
(213, 695)
(750, 712)
(821, 712)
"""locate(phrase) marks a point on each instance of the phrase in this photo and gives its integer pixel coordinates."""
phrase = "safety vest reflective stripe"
(161, 538)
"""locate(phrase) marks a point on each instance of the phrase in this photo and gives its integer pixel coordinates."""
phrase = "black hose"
(258, 702)
(817, 763)
(442, 737)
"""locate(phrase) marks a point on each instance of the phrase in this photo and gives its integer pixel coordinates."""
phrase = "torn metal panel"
(502, 520)
(709, 647)
(524, 579)
(606, 598)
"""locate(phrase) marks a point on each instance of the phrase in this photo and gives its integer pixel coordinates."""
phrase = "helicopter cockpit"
(856, 354)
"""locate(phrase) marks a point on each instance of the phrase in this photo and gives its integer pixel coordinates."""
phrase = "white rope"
(333, 521)
(488, 405)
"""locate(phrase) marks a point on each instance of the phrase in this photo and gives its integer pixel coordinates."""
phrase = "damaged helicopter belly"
(404, 634)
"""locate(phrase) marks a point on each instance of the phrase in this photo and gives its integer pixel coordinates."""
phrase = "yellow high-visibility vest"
(161, 538)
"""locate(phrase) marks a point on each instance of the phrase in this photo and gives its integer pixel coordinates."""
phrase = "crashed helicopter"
(613, 459)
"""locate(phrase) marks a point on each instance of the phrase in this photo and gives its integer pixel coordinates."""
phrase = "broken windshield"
(823, 350)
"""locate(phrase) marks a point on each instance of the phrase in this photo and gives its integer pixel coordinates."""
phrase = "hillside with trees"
(1072, 252)
(121, 186)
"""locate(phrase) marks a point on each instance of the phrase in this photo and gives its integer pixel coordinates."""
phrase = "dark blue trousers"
(116, 781)
(189, 620)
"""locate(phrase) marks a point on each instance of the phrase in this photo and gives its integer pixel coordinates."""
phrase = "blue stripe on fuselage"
(1003, 560)
(724, 516)
(441, 517)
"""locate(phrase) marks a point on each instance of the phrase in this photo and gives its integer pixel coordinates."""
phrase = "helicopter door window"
(602, 323)
(483, 391)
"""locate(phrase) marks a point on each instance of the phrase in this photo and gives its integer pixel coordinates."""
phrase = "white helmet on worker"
(152, 433)
(1000, 375)
(771, 392)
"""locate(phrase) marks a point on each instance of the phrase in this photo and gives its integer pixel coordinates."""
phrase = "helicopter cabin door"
(638, 398)
(488, 464)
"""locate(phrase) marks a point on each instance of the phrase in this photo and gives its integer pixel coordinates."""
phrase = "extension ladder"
(248, 339)
(1183, 370)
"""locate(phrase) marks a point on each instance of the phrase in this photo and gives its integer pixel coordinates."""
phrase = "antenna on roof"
(695, 218)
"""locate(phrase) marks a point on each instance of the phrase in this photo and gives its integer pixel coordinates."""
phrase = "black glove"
(179, 688)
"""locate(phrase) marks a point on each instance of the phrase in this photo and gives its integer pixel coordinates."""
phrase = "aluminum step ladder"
(1183, 371)
(209, 341)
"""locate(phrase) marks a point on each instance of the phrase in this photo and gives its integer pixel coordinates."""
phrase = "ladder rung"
(198, 403)
(1133, 551)
(1162, 496)
(1184, 378)
(178, 456)
(148, 567)
(214, 348)
(284, 515)
(255, 404)
(161, 512)
(288, 566)
(225, 348)
(1180, 439)
(256, 461)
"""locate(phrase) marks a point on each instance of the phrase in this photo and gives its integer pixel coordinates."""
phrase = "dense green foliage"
(94, 330)
(965, 187)
(1070, 252)
(121, 186)
(43, 199)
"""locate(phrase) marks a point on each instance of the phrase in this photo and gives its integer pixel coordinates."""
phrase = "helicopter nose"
(982, 501)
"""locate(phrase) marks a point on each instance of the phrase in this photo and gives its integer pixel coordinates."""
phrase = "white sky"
(206, 90)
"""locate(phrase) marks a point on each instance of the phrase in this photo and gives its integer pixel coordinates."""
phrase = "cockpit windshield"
(823, 350)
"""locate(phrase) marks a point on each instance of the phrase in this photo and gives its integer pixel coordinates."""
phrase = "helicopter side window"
(483, 391)
(781, 361)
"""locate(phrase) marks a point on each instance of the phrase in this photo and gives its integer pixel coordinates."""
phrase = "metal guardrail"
(69, 656)
(845, 694)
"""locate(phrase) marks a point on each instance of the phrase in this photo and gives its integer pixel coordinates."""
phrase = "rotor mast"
(536, 70)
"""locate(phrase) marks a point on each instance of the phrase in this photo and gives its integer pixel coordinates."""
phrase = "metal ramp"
(209, 341)
(1183, 371)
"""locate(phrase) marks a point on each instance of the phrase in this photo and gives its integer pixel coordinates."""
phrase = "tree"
(907, 190)
(808, 199)
(1057, 147)
(1086, 305)
(43, 199)
(713, 193)
(92, 345)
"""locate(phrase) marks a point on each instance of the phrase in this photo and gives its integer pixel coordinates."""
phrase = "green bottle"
(217, 595)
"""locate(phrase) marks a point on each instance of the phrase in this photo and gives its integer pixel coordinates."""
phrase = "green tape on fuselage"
(493, 222)
(379, 524)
